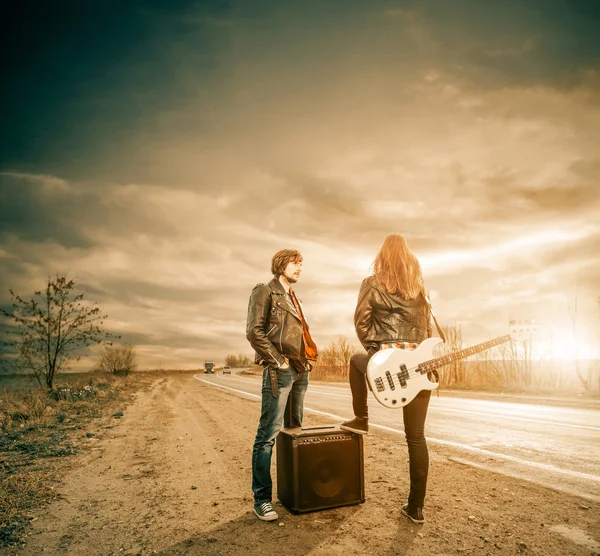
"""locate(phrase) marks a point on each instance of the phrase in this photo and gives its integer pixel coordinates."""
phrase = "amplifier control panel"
(326, 438)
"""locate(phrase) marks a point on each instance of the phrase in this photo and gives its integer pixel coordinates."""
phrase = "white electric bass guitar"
(396, 376)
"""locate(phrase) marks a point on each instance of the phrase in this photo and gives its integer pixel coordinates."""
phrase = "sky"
(160, 153)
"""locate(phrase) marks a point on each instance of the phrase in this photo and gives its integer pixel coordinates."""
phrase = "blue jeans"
(286, 409)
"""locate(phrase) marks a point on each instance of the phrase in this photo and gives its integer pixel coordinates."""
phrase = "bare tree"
(52, 328)
(453, 373)
(117, 359)
(231, 360)
(572, 307)
(335, 359)
(239, 361)
(245, 361)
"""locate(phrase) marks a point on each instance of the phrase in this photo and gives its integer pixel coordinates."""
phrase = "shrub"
(117, 359)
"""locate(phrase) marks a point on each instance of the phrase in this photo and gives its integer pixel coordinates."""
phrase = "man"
(277, 330)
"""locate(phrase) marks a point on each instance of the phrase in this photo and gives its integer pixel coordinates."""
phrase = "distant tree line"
(237, 361)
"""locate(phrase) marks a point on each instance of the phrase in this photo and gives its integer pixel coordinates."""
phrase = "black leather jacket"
(274, 328)
(384, 317)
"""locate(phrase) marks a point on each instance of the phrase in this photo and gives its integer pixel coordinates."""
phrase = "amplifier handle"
(319, 427)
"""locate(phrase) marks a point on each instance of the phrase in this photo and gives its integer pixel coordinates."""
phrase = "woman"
(392, 311)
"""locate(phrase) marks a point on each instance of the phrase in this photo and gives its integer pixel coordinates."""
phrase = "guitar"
(396, 376)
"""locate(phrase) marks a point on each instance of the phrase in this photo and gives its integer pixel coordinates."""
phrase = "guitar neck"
(461, 354)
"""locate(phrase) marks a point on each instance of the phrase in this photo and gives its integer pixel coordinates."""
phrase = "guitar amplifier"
(319, 467)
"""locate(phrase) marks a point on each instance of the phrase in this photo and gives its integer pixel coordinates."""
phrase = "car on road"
(226, 370)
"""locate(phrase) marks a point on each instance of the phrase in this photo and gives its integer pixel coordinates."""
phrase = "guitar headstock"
(523, 329)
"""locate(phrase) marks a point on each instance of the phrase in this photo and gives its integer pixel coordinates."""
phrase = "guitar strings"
(419, 370)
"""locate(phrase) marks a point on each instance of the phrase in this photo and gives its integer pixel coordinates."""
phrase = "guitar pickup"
(379, 384)
(390, 380)
(403, 375)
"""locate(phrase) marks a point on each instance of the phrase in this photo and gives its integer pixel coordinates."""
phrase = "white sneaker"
(265, 512)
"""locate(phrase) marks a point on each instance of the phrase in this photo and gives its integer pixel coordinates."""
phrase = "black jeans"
(414, 426)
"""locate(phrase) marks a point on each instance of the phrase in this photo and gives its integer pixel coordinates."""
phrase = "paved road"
(552, 445)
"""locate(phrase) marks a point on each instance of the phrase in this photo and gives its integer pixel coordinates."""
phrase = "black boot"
(358, 425)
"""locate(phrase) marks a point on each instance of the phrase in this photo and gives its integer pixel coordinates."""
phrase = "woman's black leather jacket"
(384, 317)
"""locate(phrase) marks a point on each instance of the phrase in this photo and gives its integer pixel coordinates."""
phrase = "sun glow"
(564, 344)
(559, 343)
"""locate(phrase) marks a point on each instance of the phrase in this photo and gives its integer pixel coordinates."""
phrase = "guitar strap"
(441, 333)
(439, 328)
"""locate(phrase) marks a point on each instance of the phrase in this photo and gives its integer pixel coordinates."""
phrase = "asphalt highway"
(553, 444)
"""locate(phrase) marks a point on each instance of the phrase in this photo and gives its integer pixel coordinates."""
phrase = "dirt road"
(172, 476)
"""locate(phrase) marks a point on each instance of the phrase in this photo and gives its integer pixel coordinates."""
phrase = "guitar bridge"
(379, 384)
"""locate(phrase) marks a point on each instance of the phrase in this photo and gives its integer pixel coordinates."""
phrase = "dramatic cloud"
(161, 156)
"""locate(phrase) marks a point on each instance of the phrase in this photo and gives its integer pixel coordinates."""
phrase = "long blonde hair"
(397, 269)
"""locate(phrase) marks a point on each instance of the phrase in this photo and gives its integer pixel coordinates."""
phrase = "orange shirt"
(310, 348)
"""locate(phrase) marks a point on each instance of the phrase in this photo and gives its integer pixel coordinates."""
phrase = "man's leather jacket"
(384, 317)
(274, 327)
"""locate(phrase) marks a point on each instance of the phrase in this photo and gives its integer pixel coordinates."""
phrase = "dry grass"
(38, 429)
(330, 373)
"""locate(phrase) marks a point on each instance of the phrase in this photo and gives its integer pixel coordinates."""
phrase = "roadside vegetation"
(514, 367)
(40, 429)
(333, 362)
(509, 367)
